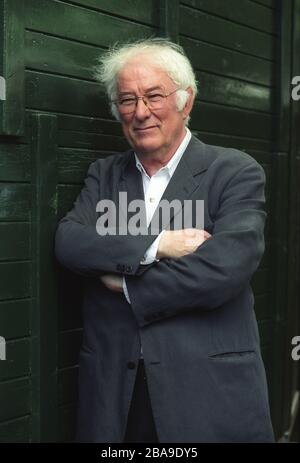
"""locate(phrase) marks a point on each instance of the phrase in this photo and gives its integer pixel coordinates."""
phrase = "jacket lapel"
(131, 184)
(180, 187)
(183, 182)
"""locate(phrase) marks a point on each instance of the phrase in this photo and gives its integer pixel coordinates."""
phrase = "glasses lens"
(154, 99)
(127, 104)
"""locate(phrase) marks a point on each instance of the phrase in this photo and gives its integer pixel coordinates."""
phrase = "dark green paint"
(243, 81)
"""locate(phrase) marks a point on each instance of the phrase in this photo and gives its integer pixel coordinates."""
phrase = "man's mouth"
(145, 129)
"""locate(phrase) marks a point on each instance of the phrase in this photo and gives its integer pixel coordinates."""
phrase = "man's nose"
(142, 111)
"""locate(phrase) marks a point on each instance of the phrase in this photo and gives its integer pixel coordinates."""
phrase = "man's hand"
(113, 282)
(173, 244)
(178, 243)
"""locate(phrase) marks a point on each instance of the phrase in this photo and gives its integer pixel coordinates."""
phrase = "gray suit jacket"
(193, 315)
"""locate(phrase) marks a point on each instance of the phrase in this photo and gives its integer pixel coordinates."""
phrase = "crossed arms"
(199, 271)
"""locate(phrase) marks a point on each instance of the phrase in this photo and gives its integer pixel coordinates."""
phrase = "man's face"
(156, 131)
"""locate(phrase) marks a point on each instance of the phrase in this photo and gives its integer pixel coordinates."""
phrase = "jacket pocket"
(231, 355)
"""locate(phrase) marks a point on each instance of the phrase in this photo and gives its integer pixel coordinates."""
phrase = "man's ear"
(189, 103)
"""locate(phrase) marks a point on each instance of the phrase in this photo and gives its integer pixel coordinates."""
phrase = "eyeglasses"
(154, 100)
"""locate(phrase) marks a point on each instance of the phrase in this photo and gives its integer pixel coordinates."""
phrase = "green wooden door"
(55, 121)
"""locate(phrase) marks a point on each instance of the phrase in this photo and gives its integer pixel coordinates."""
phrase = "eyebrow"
(151, 89)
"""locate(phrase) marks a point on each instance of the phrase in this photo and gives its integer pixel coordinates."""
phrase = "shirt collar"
(174, 161)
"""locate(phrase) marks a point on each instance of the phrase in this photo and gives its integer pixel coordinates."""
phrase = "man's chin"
(145, 148)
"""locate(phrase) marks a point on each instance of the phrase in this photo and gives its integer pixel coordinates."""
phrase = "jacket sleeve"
(82, 250)
(220, 268)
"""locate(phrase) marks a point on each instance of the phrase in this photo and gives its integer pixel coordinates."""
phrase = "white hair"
(164, 54)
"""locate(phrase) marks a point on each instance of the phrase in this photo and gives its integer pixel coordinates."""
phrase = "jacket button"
(131, 365)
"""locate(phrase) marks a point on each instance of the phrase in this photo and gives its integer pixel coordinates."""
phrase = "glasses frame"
(145, 101)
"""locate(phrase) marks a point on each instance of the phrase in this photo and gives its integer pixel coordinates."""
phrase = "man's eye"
(155, 97)
(127, 101)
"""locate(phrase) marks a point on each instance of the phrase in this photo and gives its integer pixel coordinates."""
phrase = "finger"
(204, 233)
(190, 231)
(194, 243)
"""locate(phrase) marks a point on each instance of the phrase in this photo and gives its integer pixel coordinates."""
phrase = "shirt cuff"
(150, 254)
(125, 290)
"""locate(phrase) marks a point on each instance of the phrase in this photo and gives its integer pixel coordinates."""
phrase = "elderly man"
(170, 349)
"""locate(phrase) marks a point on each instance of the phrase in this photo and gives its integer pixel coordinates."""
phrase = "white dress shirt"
(154, 188)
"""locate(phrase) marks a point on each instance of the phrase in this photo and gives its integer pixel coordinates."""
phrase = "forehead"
(141, 76)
